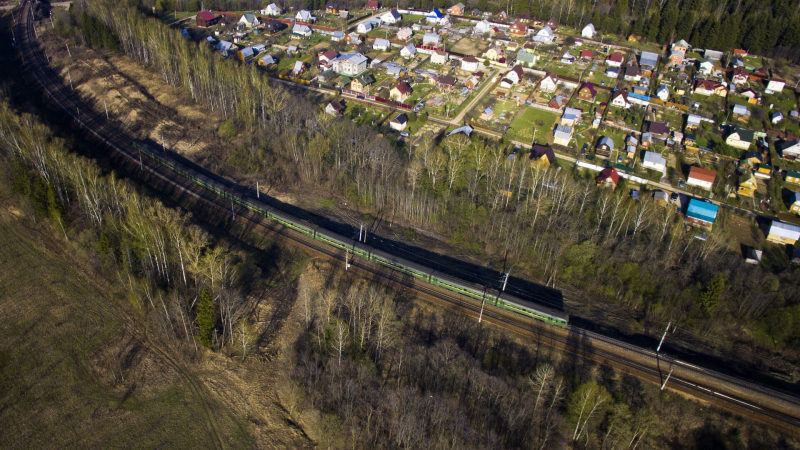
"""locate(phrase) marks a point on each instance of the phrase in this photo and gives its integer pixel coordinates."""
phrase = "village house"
(571, 116)
(588, 31)
(775, 85)
(586, 55)
(391, 17)
(266, 61)
(789, 150)
(526, 58)
(362, 83)
(334, 108)
(709, 87)
(299, 69)
(373, 5)
(245, 55)
(741, 113)
(619, 99)
(439, 57)
(409, 51)
(662, 92)
(647, 139)
(793, 176)
(740, 77)
(648, 61)
(701, 214)
(400, 122)
(431, 39)
(750, 160)
(206, 19)
(469, 64)
(482, 27)
(446, 82)
(401, 92)
(472, 82)
(494, 53)
(549, 82)
(615, 59)
(658, 129)
(364, 27)
(381, 44)
(747, 184)
(706, 66)
(249, 20)
(701, 177)
(518, 29)
(350, 64)
(654, 161)
(515, 75)
(764, 171)
(542, 156)
(587, 92)
(225, 47)
(783, 233)
(337, 36)
(405, 33)
(487, 114)
(776, 117)
(271, 10)
(332, 8)
(675, 58)
(562, 135)
(353, 39)
(556, 102)
(304, 16)
(544, 36)
(632, 73)
(608, 178)
(739, 138)
(456, 10)
(435, 17)
(567, 58)
(273, 26)
(303, 31)
(604, 147)
(794, 202)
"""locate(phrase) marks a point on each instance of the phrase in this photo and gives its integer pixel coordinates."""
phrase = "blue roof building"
(701, 214)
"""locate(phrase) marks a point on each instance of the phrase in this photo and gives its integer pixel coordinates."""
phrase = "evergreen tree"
(683, 29)
(651, 27)
(668, 22)
(205, 317)
(709, 298)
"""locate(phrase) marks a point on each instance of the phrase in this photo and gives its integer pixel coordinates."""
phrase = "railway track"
(739, 396)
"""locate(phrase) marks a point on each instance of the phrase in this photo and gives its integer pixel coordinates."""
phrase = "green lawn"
(530, 119)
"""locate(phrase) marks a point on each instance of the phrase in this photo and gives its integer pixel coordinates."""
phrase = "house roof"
(609, 173)
(268, 59)
(336, 105)
(470, 59)
(330, 54)
(447, 80)
(206, 15)
(587, 54)
(632, 70)
(590, 87)
(558, 99)
(702, 174)
(619, 93)
(658, 128)
(410, 49)
(787, 144)
(708, 85)
(654, 158)
(616, 57)
(518, 71)
(466, 129)
(607, 141)
(571, 114)
(563, 132)
(401, 119)
(380, 42)
(744, 134)
(755, 155)
(298, 66)
(681, 43)
(372, 3)
(701, 210)
(785, 230)
(300, 29)
(403, 87)
(250, 18)
(543, 150)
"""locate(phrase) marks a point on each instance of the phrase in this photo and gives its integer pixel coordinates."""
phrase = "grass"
(522, 127)
(65, 352)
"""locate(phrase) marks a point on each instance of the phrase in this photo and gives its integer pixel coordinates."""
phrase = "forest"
(552, 226)
(764, 28)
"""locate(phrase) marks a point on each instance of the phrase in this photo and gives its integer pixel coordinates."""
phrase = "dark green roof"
(366, 79)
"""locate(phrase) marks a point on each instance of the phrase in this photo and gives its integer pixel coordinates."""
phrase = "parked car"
(681, 184)
(404, 134)
(619, 158)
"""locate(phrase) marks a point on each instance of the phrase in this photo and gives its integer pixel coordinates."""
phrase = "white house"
(470, 64)
(570, 116)
(588, 31)
(381, 44)
(482, 27)
(409, 51)
(271, 10)
(775, 85)
(304, 16)
(514, 75)
(653, 160)
(619, 99)
(435, 17)
(789, 149)
(548, 83)
(706, 66)
(391, 17)
(299, 68)
(399, 123)
(701, 177)
(301, 30)
(364, 27)
(544, 36)
(431, 39)
(350, 64)
(662, 92)
(439, 57)
(249, 20)
(562, 135)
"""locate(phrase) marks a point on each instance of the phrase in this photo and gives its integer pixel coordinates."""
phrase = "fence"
(374, 98)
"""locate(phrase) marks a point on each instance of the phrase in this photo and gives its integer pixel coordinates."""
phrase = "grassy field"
(72, 374)
(522, 127)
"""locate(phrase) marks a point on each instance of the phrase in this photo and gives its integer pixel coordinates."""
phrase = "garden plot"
(470, 46)
(531, 119)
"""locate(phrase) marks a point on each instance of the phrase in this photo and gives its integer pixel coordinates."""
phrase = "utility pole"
(232, 210)
(503, 289)
(668, 375)
(258, 192)
(658, 349)
(480, 316)
(360, 231)
(141, 166)
(163, 148)
(106, 107)
(346, 259)
(70, 81)
(68, 52)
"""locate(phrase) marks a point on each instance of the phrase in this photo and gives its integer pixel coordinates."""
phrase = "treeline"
(172, 269)
(97, 34)
(552, 226)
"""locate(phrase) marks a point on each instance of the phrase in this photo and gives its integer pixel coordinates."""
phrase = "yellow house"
(542, 156)
(401, 92)
(793, 177)
(783, 233)
(764, 171)
(795, 200)
(747, 184)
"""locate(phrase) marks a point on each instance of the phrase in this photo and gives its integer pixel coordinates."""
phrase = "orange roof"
(699, 173)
